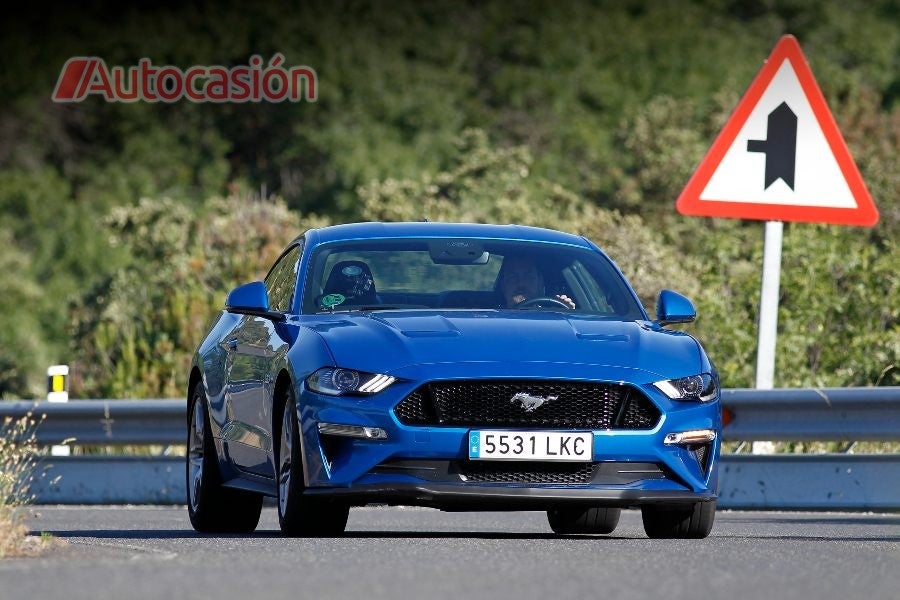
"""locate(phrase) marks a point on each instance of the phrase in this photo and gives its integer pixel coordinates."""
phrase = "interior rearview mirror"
(458, 252)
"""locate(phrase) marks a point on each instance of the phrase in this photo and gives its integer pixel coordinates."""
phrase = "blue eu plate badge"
(473, 443)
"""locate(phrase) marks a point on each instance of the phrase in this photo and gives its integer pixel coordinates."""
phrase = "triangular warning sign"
(781, 156)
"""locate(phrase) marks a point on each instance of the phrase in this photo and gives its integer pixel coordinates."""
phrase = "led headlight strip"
(376, 384)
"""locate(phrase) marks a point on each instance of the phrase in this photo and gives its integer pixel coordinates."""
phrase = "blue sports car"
(456, 366)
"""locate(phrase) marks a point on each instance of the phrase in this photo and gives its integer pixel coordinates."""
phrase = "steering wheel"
(541, 301)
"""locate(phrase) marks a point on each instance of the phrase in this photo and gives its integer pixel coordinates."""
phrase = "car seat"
(353, 280)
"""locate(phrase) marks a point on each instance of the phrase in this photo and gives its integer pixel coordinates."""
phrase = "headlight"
(335, 381)
(697, 388)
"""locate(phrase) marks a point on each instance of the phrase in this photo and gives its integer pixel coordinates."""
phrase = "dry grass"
(18, 453)
(15, 541)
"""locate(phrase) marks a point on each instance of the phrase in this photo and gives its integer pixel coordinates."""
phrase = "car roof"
(373, 230)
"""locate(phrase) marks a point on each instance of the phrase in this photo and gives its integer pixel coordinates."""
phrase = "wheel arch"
(195, 378)
(279, 396)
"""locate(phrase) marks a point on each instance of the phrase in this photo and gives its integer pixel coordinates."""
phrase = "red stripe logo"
(73, 80)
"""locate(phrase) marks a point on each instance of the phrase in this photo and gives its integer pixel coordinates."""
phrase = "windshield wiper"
(367, 308)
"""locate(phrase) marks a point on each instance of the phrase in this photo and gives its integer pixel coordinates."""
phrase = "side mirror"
(672, 307)
(251, 299)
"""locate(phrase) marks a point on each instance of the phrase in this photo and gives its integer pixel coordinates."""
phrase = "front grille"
(527, 472)
(415, 409)
(489, 403)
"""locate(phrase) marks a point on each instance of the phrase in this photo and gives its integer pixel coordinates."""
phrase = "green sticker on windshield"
(333, 300)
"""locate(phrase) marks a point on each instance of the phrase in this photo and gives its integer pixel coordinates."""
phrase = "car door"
(255, 346)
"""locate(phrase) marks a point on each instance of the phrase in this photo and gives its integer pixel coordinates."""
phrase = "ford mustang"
(454, 366)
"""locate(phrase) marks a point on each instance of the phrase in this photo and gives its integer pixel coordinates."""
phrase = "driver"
(521, 280)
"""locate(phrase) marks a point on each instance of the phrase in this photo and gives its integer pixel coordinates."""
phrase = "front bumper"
(366, 470)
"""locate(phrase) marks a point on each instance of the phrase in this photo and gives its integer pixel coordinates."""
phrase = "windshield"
(465, 274)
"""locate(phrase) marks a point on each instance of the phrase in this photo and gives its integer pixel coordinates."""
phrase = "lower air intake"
(527, 472)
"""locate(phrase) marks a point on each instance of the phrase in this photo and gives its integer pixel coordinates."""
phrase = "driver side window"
(282, 279)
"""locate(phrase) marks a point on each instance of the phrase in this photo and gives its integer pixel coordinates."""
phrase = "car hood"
(498, 341)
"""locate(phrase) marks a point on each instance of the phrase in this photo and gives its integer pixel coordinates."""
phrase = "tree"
(22, 353)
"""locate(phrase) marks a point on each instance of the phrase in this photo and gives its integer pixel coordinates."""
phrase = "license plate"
(531, 445)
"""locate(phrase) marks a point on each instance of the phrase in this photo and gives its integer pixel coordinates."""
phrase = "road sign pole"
(768, 316)
(768, 306)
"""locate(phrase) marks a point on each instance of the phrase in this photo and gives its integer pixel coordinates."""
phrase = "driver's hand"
(566, 299)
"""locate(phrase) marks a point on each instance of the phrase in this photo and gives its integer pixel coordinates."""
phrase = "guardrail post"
(58, 391)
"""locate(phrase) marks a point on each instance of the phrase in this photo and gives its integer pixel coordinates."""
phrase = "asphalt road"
(410, 553)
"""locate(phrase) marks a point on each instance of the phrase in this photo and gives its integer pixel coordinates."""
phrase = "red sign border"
(689, 203)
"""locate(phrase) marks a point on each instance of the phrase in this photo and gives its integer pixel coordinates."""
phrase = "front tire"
(213, 508)
(301, 515)
(692, 522)
(590, 520)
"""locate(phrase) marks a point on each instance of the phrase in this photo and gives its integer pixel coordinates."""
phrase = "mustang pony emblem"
(530, 403)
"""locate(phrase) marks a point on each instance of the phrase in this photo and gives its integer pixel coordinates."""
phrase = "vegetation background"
(122, 226)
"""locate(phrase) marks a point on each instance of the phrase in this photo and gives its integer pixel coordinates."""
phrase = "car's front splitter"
(493, 497)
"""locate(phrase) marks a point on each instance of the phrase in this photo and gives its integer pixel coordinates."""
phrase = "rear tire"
(590, 520)
(299, 514)
(213, 508)
(692, 522)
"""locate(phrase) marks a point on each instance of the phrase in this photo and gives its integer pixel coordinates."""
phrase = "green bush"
(135, 333)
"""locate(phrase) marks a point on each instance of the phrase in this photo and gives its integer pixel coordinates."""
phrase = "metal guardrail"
(869, 414)
(777, 481)
(861, 482)
(104, 422)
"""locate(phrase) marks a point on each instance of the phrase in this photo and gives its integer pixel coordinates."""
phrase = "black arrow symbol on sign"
(781, 146)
